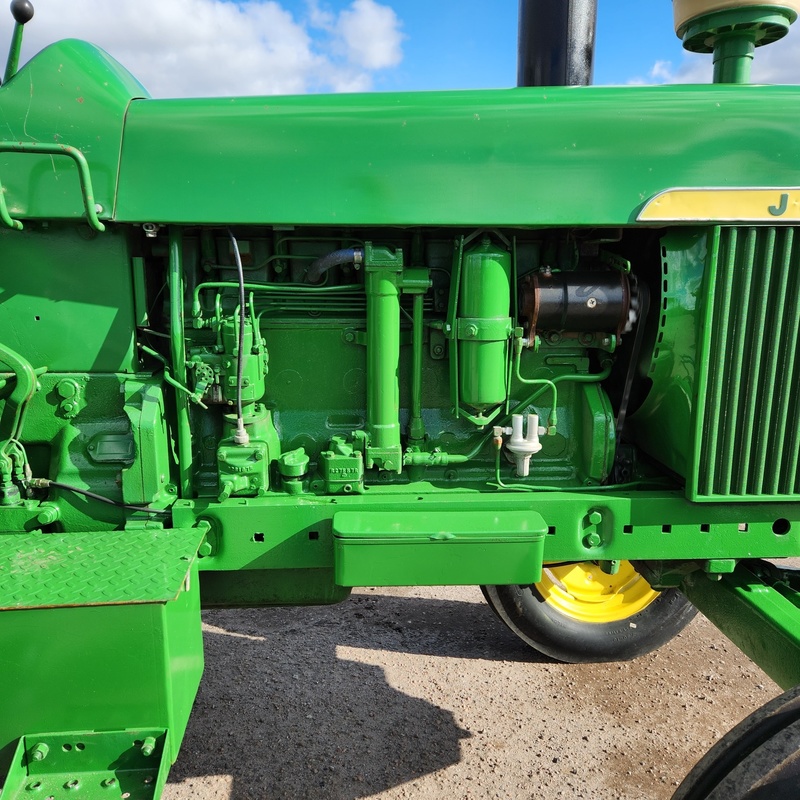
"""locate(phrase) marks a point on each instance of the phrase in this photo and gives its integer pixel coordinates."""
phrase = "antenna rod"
(23, 13)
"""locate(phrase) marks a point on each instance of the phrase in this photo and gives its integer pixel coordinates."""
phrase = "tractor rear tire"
(756, 760)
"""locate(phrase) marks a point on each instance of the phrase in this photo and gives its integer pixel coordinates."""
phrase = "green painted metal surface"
(757, 608)
(70, 94)
(377, 400)
(424, 547)
(95, 567)
(404, 159)
(383, 280)
(644, 525)
(137, 654)
(664, 424)
(44, 311)
(90, 766)
(484, 302)
(747, 441)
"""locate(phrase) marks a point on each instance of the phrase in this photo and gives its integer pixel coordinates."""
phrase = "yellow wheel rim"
(585, 593)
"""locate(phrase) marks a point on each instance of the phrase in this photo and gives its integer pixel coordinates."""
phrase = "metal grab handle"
(54, 150)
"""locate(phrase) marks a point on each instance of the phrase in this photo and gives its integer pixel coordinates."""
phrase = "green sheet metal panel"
(74, 94)
(65, 302)
(663, 424)
(380, 548)
(532, 156)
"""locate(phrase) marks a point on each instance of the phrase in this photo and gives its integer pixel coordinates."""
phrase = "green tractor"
(541, 340)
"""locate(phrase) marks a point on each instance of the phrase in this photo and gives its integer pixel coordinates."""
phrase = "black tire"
(759, 759)
(547, 628)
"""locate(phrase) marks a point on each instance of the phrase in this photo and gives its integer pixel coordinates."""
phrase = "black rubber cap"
(22, 10)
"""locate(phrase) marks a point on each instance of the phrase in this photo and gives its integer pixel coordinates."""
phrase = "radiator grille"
(747, 439)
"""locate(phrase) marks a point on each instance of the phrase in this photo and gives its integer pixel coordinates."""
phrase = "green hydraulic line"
(416, 427)
(278, 288)
(5, 217)
(437, 458)
(195, 397)
(524, 487)
(13, 416)
(545, 383)
(38, 148)
(520, 407)
(178, 348)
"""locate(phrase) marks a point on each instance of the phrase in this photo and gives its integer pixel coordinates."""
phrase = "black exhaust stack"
(556, 42)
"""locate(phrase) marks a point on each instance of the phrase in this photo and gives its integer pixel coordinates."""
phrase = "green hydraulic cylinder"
(383, 271)
(484, 325)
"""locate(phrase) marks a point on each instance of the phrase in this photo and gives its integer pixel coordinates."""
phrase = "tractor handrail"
(41, 148)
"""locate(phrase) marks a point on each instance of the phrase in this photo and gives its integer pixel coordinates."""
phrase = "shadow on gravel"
(450, 628)
(286, 718)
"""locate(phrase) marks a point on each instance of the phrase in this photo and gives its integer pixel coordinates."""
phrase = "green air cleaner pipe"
(484, 325)
(383, 271)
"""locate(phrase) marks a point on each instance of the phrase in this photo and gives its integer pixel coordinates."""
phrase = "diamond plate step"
(90, 568)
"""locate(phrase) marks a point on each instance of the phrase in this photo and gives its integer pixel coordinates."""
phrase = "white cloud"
(212, 47)
(371, 34)
(775, 63)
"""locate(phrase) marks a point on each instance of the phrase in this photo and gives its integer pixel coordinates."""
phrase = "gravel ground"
(422, 693)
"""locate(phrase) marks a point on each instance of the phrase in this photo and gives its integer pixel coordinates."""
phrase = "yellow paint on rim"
(585, 593)
(776, 206)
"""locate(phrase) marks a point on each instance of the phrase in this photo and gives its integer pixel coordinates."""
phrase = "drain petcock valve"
(522, 447)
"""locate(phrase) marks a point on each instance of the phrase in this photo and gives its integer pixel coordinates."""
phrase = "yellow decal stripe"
(734, 205)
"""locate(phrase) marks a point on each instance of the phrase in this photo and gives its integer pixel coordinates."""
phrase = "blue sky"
(260, 47)
(472, 43)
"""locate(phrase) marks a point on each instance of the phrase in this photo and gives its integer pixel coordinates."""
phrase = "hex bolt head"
(592, 540)
(39, 751)
(595, 517)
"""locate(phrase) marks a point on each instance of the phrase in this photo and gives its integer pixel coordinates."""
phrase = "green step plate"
(85, 765)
